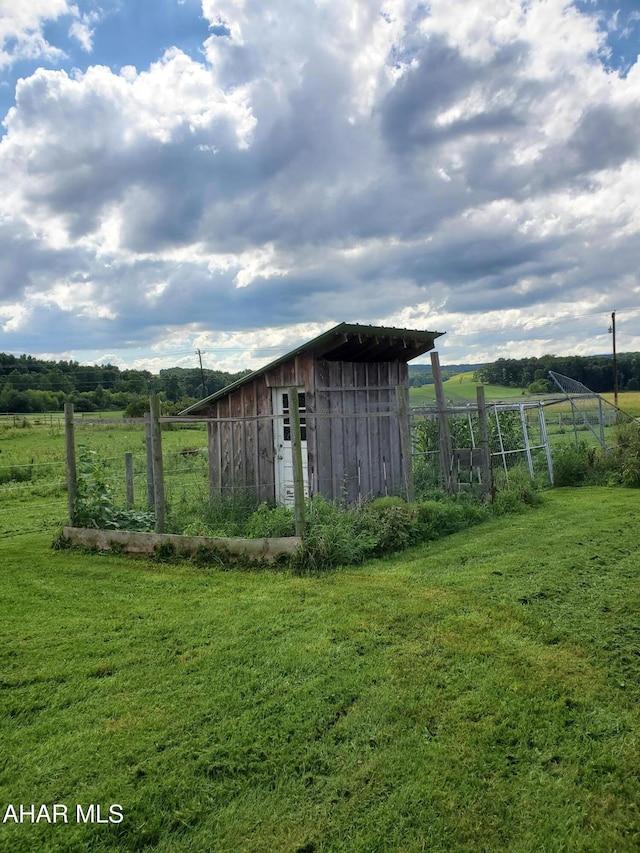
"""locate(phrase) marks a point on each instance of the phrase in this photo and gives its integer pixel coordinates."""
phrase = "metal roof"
(345, 342)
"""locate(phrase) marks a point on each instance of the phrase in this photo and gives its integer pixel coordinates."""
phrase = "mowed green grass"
(478, 694)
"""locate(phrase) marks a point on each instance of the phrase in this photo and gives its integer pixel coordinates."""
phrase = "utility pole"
(612, 331)
(204, 387)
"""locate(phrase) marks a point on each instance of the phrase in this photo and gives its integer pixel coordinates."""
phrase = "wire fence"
(33, 483)
(517, 435)
(33, 486)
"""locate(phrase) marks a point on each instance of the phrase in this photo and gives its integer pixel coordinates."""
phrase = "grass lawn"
(477, 694)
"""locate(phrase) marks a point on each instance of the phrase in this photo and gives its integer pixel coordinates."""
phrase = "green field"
(479, 693)
(33, 473)
(463, 387)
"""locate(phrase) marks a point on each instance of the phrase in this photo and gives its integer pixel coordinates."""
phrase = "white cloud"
(364, 161)
(21, 23)
(83, 27)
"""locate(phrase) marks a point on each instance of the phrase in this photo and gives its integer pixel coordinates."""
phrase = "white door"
(283, 453)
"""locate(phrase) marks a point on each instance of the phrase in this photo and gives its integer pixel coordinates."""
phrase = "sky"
(236, 177)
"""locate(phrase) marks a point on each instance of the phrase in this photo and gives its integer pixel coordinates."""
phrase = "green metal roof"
(344, 342)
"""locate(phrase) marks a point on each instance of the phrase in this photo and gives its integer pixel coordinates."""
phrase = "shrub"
(94, 505)
(16, 474)
(626, 457)
(137, 408)
(226, 515)
(337, 536)
(269, 521)
(571, 463)
(517, 492)
(392, 526)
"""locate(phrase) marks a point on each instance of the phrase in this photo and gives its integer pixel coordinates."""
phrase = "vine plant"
(94, 504)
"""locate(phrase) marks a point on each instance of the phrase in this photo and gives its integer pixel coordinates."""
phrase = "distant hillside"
(420, 374)
(532, 374)
(29, 384)
(594, 371)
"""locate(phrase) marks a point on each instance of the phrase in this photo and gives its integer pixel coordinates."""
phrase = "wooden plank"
(395, 449)
(373, 422)
(324, 449)
(267, 549)
(384, 430)
(149, 449)
(361, 386)
(213, 442)
(350, 482)
(337, 431)
(266, 442)
(226, 449)
(237, 446)
(250, 438)
(296, 452)
(402, 395)
(128, 477)
(485, 450)
(445, 436)
(269, 417)
(309, 381)
(70, 453)
(363, 453)
(158, 466)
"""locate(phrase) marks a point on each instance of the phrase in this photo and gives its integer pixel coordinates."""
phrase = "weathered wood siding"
(354, 455)
(241, 452)
(358, 457)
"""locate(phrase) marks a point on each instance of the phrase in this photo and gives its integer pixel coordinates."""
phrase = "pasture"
(463, 387)
(33, 475)
(477, 693)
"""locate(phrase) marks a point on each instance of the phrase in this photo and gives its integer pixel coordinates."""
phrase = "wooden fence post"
(128, 476)
(485, 450)
(405, 441)
(70, 450)
(158, 471)
(149, 447)
(296, 451)
(446, 450)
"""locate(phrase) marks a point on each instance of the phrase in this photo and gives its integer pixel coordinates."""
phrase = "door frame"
(283, 454)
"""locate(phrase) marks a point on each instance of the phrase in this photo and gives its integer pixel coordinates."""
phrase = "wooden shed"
(352, 385)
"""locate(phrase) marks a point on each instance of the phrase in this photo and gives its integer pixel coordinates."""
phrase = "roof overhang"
(345, 342)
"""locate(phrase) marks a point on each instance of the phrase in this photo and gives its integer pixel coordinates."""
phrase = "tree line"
(29, 384)
(532, 374)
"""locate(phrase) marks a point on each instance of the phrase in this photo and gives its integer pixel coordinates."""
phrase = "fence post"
(158, 472)
(405, 441)
(149, 447)
(128, 476)
(485, 450)
(446, 451)
(70, 450)
(296, 451)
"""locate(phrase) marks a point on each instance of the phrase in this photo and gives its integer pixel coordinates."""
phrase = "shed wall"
(241, 452)
(353, 455)
(358, 450)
